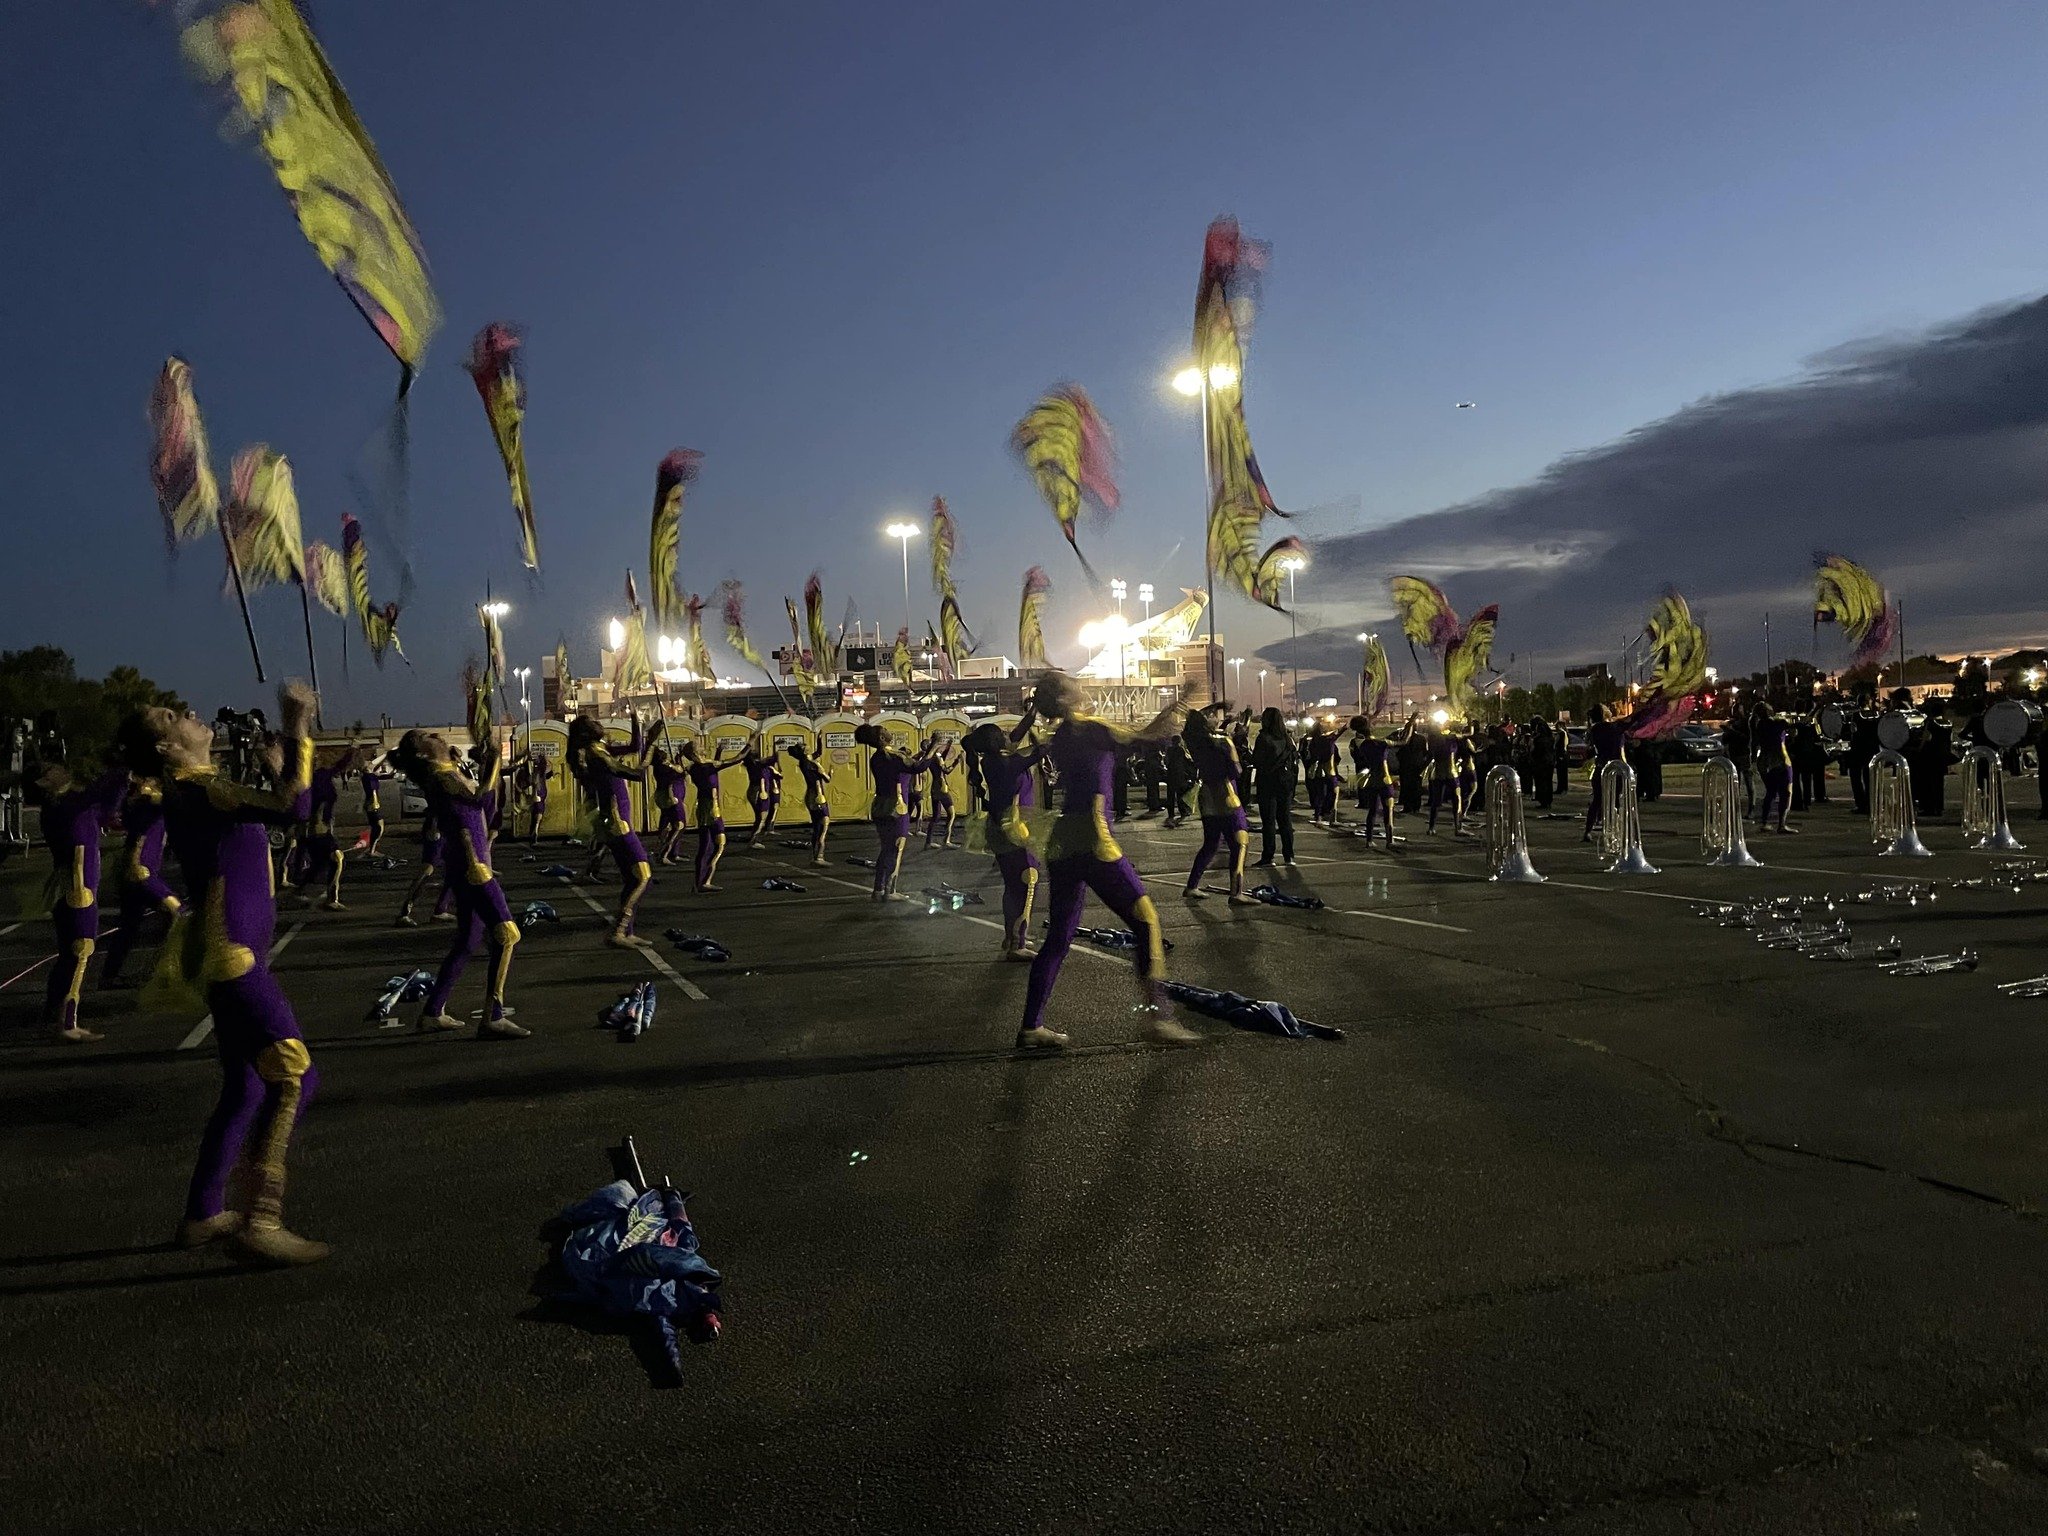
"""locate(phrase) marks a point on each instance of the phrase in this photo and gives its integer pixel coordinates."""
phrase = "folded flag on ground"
(860, 863)
(944, 898)
(632, 1254)
(1273, 896)
(777, 883)
(408, 988)
(1111, 938)
(538, 912)
(697, 944)
(633, 1014)
(1250, 1013)
(559, 872)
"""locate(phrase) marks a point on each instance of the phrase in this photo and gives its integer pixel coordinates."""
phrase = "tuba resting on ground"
(1721, 837)
(1891, 808)
(1621, 822)
(1507, 838)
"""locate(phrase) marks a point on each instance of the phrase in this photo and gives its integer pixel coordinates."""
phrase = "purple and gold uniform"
(462, 811)
(143, 887)
(1370, 760)
(373, 803)
(220, 832)
(816, 782)
(944, 756)
(1219, 777)
(764, 790)
(608, 779)
(72, 823)
(706, 816)
(319, 853)
(1081, 856)
(1010, 788)
(893, 775)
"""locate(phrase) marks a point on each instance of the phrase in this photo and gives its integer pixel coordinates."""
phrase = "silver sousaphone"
(2006, 724)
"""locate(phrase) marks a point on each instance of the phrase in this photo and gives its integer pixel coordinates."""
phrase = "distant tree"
(43, 681)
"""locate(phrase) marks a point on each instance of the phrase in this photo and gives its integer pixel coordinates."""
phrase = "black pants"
(1276, 819)
(1411, 792)
(1544, 782)
(1177, 799)
(1859, 785)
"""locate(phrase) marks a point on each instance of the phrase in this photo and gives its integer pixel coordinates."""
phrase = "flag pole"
(227, 541)
(312, 659)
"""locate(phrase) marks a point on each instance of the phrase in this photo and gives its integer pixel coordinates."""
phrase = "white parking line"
(8, 929)
(1389, 917)
(205, 1026)
(652, 956)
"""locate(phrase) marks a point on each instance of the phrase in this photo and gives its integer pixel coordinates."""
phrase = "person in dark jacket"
(1180, 781)
(1542, 769)
(1561, 744)
(1863, 745)
(1275, 768)
(1735, 741)
(1931, 757)
(1411, 761)
(1809, 767)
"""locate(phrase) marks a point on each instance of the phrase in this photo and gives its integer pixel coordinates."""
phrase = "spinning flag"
(799, 658)
(1428, 619)
(1239, 501)
(1467, 656)
(1846, 594)
(631, 672)
(1678, 670)
(1031, 621)
(263, 55)
(900, 660)
(1065, 444)
(822, 657)
(733, 608)
(494, 649)
(380, 624)
(945, 539)
(262, 518)
(476, 696)
(700, 653)
(1374, 680)
(941, 662)
(327, 577)
(665, 536)
(954, 641)
(186, 492)
(494, 364)
(563, 702)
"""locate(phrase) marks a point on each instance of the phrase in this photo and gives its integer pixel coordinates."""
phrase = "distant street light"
(1205, 382)
(1292, 564)
(904, 532)
(1237, 677)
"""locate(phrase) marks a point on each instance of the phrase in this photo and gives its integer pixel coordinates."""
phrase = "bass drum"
(1832, 722)
(1893, 732)
(2007, 722)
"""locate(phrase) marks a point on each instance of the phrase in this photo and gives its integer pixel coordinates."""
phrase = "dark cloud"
(1923, 457)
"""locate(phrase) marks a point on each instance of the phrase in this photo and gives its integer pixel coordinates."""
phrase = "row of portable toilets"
(849, 794)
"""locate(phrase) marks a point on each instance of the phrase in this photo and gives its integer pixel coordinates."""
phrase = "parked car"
(1575, 749)
(1695, 743)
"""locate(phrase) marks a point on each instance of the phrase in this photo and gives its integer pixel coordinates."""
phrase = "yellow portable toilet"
(619, 739)
(778, 732)
(726, 739)
(550, 739)
(851, 793)
(951, 726)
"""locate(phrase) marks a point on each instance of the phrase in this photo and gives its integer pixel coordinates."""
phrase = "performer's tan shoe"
(207, 1229)
(1165, 1031)
(275, 1248)
(1040, 1039)
(432, 1023)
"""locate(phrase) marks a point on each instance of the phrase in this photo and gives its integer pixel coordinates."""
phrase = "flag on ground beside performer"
(494, 365)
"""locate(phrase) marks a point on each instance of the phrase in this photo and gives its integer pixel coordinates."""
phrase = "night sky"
(840, 249)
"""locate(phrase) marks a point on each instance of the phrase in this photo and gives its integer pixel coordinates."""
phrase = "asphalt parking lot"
(1602, 1218)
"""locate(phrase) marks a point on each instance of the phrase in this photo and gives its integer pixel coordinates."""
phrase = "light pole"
(1262, 690)
(1202, 381)
(1145, 597)
(1237, 677)
(904, 532)
(1117, 591)
(525, 708)
(1292, 564)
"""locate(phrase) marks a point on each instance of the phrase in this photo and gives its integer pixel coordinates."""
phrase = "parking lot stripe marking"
(1389, 917)
(653, 957)
(205, 1026)
(8, 929)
